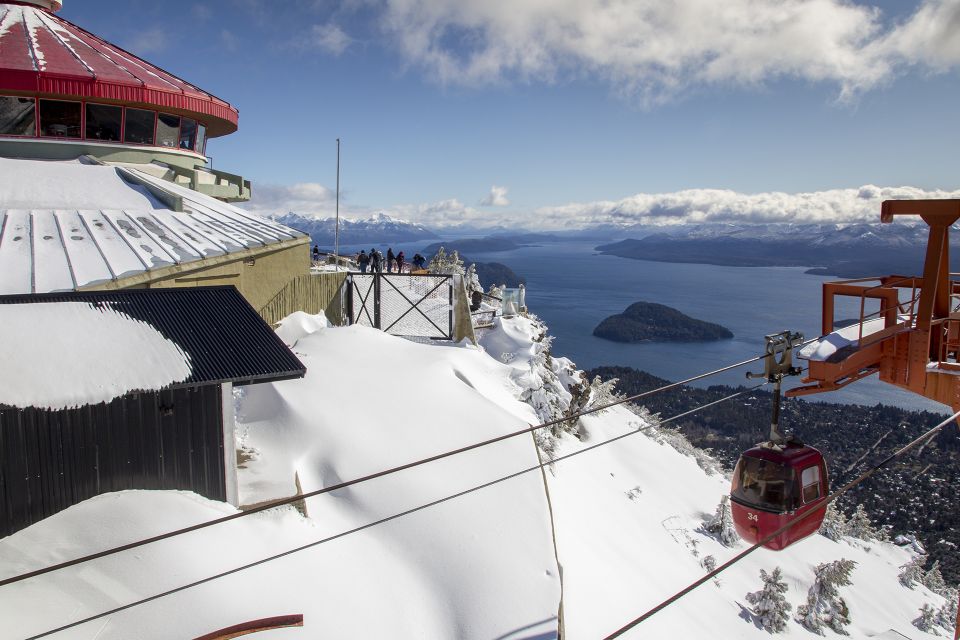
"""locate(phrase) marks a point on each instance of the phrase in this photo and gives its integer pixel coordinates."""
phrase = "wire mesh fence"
(401, 304)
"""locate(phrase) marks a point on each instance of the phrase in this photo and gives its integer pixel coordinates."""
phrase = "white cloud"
(305, 198)
(329, 38)
(654, 50)
(691, 206)
(724, 206)
(496, 198)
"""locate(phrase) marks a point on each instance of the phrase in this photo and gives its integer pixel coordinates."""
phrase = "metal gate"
(403, 304)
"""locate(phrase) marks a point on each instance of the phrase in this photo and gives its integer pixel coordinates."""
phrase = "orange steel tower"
(913, 340)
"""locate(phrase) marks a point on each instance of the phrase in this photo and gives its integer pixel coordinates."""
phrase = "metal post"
(336, 231)
(775, 435)
(376, 300)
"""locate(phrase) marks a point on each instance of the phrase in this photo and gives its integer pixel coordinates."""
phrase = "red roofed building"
(104, 180)
(77, 94)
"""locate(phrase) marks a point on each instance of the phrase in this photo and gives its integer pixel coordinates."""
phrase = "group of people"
(375, 261)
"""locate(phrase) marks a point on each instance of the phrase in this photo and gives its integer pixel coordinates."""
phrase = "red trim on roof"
(43, 54)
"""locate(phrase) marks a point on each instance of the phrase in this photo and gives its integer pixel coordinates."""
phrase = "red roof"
(43, 54)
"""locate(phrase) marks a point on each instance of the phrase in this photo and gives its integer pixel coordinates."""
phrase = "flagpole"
(336, 241)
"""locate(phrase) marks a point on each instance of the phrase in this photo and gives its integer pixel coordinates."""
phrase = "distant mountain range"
(849, 251)
(380, 228)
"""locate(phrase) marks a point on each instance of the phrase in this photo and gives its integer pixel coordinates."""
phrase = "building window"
(60, 119)
(138, 128)
(17, 116)
(103, 122)
(188, 133)
(168, 130)
(201, 138)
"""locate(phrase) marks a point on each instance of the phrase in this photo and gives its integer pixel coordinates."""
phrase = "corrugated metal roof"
(44, 54)
(224, 337)
(49, 244)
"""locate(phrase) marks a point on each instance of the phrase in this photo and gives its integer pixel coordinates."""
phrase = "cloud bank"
(655, 50)
(654, 209)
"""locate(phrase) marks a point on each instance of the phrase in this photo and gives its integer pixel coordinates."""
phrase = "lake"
(572, 289)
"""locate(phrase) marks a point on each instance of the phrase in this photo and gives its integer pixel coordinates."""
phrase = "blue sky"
(570, 108)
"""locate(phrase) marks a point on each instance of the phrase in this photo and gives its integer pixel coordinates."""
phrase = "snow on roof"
(69, 354)
(822, 349)
(65, 225)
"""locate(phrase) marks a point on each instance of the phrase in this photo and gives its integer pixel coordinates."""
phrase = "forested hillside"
(915, 495)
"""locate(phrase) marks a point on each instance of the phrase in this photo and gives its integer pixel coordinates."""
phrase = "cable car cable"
(395, 516)
(740, 556)
(372, 476)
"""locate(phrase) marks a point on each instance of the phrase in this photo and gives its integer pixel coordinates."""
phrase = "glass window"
(103, 122)
(201, 138)
(60, 119)
(168, 130)
(810, 479)
(17, 116)
(764, 484)
(188, 133)
(138, 128)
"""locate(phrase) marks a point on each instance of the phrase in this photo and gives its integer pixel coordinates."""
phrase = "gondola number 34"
(753, 516)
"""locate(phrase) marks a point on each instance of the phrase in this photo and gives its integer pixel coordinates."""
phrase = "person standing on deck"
(363, 260)
(316, 253)
(389, 259)
(400, 262)
(377, 259)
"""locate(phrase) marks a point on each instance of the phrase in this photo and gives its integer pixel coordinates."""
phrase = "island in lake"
(643, 321)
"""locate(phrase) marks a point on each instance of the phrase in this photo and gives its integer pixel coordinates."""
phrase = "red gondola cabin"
(774, 486)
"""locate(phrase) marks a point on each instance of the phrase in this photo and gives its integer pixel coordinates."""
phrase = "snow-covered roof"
(65, 225)
(70, 354)
(44, 54)
(77, 348)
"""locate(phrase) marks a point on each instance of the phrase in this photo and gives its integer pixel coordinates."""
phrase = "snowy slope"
(626, 518)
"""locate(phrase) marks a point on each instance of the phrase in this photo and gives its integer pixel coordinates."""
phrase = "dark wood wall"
(50, 460)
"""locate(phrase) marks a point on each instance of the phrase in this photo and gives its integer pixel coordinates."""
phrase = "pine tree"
(471, 280)
(947, 615)
(912, 571)
(859, 525)
(927, 620)
(834, 524)
(933, 579)
(824, 605)
(721, 524)
(769, 604)
(443, 262)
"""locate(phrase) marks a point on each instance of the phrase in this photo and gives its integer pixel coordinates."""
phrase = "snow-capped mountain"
(378, 228)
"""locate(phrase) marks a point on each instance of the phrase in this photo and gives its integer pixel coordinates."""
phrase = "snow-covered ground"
(626, 517)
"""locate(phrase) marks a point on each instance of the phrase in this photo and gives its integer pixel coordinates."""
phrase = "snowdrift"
(624, 520)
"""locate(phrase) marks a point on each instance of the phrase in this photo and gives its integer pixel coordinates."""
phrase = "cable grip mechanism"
(777, 363)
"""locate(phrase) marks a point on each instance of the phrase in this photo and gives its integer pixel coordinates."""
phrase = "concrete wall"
(52, 149)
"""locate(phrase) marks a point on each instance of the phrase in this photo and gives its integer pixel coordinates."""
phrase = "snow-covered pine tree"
(721, 524)
(824, 605)
(495, 291)
(927, 621)
(834, 524)
(603, 392)
(444, 262)
(859, 525)
(912, 571)
(769, 604)
(947, 615)
(471, 280)
(933, 579)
